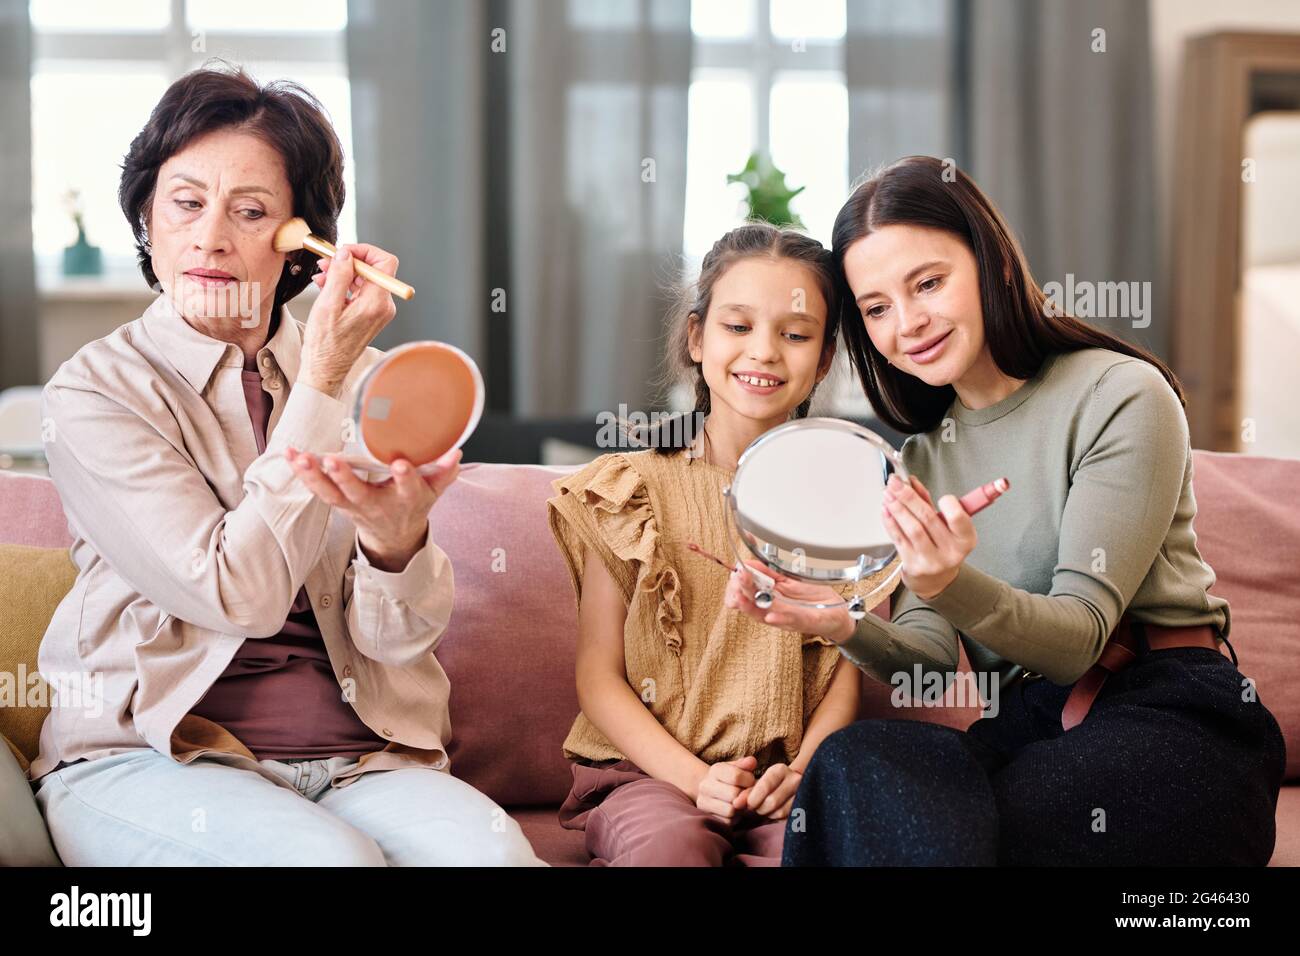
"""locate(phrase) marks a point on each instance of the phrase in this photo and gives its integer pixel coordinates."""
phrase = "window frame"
(172, 48)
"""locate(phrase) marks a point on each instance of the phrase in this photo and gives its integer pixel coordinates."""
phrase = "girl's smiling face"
(215, 208)
(917, 293)
(761, 347)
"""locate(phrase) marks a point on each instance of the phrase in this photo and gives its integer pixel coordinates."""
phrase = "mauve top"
(278, 695)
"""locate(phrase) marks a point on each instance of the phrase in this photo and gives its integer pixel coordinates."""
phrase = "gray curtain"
(416, 70)
(901, 67)
(1060, 136)
(526, 160)
(19, 342)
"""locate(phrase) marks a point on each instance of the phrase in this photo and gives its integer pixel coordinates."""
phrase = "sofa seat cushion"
(32, 583)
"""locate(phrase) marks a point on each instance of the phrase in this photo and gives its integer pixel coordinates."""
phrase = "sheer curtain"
(526, 159)
(19, 341)
(1051, 117)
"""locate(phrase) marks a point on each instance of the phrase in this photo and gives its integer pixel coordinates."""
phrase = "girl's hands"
(392, 517)
(722, 783)
(773, 795)
(834, 624)
(931, 546)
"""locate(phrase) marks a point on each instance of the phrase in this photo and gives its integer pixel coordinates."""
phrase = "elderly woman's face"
(216, 207)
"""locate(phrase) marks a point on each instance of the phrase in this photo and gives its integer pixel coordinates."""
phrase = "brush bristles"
(289, 237)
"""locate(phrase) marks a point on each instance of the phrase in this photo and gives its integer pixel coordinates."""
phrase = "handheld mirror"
(806, 500)
(418, 402)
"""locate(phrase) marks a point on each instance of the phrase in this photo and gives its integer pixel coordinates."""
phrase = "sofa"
(509, 649)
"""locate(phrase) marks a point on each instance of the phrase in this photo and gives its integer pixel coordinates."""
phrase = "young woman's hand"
(722, 783)
(832, 623)
(773, 795)
(931, 544)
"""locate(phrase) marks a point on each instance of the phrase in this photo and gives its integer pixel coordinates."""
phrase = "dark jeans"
(1170, 767)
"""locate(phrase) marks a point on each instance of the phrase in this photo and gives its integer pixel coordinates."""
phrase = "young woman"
(697, 722)
(1123, 735)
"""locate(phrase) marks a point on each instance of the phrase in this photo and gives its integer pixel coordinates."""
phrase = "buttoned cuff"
(413, 581)
(970, 598)
(311, 421)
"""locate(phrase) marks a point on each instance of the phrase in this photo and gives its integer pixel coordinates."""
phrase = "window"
(99, 68)
(768, 77)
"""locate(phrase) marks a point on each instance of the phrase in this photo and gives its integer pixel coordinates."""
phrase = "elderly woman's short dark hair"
(283, 114)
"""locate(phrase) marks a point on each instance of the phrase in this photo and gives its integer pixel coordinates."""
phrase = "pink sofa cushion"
(509, 649)
(31, 513)
(1248, 529)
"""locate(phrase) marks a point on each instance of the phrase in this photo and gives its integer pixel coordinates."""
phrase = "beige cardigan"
(188, 543)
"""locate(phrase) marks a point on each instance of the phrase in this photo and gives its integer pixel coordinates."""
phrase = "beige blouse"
(724, 685)
(188, 543)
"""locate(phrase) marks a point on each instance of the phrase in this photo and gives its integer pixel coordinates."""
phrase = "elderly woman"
(261, 621)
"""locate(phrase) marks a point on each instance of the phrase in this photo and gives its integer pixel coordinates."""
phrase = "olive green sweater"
(1098, 520)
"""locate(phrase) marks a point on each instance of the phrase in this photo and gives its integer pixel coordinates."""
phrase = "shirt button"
(386, 732)
(347, 670)
(326, 600)
(266, 361)
(274, 383)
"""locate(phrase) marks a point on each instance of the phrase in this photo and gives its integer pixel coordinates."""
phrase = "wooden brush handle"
(364, 269)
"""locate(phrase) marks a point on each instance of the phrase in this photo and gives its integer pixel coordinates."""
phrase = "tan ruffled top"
(724, 685)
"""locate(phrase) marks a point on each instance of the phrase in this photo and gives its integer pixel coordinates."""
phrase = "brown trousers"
(632, 819)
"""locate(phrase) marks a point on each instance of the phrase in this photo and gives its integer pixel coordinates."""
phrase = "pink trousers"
(632, 819)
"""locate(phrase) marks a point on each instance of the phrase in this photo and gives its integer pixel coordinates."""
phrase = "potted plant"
(768, 196)
(80, 258)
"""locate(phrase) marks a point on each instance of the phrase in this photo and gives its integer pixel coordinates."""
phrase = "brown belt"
(1121, 650)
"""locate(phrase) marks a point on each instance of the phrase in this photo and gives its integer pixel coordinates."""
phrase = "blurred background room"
(548, 170)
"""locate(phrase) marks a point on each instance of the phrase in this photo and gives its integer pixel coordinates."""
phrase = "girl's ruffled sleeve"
(606, 507)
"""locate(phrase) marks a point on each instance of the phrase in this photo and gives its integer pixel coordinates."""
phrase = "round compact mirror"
(805, 501)
(418, 402)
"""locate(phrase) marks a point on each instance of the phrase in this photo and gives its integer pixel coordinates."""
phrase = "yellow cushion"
(32, 583)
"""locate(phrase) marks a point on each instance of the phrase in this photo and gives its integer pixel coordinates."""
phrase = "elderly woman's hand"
(391, 517)
(346, 317)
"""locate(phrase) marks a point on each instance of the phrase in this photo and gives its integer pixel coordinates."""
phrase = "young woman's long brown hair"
(1019, 331)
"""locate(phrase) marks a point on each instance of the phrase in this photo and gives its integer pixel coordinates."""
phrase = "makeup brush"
(295, 234)
(763, 579)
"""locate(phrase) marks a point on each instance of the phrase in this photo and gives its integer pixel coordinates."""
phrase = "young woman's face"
(215, 209)
(761, 344)
(917, 292)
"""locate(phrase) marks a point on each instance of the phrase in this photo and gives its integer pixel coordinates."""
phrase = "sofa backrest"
(509, 649)
(1248, 530)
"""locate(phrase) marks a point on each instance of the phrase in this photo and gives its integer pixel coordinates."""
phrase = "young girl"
(697, 720)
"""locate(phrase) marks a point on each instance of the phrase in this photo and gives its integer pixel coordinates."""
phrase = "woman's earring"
(295, 269)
